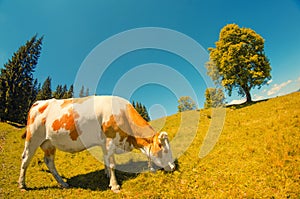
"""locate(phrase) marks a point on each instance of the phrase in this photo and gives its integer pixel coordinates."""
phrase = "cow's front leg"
(106, 162)
(110, 165)
(113, 184)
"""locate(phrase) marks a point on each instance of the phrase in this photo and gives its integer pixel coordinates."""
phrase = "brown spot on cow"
(156, 147)
(31, 115)
(43, 108)
(35, 104)
(28, 135)
(30, 119)
(80, 100)
(44, 120)
(136, 117)
(139, 127)
(109, 128)
(50, 151)
(67, 102)
(120, 125)
(67, 122)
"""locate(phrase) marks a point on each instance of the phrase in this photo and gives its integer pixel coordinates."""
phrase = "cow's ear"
(162, 137)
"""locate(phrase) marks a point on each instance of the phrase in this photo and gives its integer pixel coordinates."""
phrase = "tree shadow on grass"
(245, 104)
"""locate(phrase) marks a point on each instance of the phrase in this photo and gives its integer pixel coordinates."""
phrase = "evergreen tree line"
(141, 109)
(61, 92)
(19, 89)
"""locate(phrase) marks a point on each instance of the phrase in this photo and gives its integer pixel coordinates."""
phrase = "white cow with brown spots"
(73, 125)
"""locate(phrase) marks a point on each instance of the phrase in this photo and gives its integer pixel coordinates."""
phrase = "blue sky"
(73, 29)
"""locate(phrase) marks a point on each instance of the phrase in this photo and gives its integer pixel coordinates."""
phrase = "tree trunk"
(248, 95)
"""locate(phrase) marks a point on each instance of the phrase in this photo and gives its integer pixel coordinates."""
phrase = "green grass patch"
(256, 156)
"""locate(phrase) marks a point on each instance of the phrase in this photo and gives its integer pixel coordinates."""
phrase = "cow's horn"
(162, 136)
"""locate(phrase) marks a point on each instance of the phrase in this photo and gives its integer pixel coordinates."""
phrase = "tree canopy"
(214, 97)
(186, 103)
(239, 61)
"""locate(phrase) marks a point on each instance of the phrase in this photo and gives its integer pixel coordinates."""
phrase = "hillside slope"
(257, 155)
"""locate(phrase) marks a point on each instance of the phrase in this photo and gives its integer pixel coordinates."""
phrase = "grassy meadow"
(256, 156)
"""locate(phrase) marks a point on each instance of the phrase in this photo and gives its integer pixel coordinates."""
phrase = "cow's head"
(160, 152)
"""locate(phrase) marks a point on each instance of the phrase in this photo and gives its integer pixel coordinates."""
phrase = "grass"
(256, 156)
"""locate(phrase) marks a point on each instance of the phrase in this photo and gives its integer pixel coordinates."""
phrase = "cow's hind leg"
(29, 150)
(49, 154)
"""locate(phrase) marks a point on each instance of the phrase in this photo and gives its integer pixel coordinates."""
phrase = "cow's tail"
(24, 135)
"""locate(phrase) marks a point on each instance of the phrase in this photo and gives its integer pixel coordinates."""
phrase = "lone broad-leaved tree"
(186, 103)
(239, 60)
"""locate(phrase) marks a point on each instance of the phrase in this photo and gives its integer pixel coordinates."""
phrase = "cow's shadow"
(97, 180)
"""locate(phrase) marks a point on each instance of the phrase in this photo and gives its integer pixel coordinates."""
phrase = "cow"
(75, 124)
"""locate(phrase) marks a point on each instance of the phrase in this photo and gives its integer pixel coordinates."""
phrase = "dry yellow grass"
(257, 156)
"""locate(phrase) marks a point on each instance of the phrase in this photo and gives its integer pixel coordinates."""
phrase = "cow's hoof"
(22, 188)
(152, 170)
(116, 188)
(65, 185)
(116, 191)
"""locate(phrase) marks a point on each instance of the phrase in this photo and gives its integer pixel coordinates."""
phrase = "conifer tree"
(87, 92)
(3, 90)
(58, 93)
(64, 92)
(34, 92)
(145, 114)
(70, 92)
(45, 92)
(81, 93)
(17, 85)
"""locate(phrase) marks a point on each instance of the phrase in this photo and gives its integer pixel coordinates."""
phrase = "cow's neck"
(144, 144)
(146, 149)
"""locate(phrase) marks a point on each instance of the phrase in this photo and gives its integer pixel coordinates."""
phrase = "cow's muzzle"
(170, 167)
